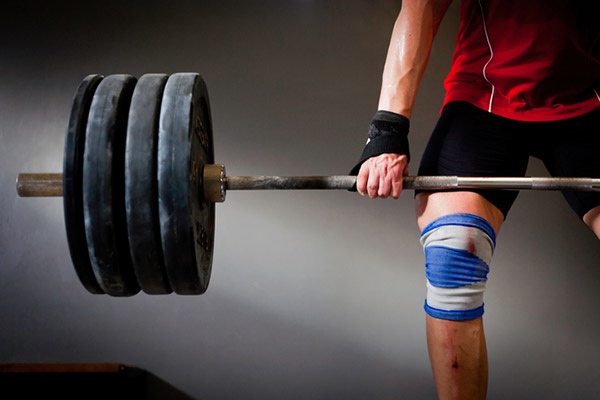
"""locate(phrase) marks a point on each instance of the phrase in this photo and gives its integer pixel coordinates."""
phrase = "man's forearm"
(408, 53)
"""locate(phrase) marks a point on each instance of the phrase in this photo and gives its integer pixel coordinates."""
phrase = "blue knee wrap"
(458, 250)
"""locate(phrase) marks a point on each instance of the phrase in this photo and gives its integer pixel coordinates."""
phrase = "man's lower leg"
(458, 357)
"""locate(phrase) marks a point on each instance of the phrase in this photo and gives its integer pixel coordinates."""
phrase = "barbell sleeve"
(40, 185)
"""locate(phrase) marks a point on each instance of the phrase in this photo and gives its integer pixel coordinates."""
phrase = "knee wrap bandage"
(458, 250)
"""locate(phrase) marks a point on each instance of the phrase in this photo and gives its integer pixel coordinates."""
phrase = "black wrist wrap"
(388, 133)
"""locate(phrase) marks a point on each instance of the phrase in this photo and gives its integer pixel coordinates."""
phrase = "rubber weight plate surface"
(141, 185)
(72, 190)
(186, 218)
(104, 184)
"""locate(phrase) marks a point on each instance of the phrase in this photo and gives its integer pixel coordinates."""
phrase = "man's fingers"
(373, 184)
(385, 185)
(361, 179)
(396, 188)
(381, 176)
(397, 183)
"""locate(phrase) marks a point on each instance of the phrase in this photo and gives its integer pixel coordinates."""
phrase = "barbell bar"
(139, 184)
(216, 183)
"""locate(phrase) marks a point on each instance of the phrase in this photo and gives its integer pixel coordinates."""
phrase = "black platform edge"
(84, 381)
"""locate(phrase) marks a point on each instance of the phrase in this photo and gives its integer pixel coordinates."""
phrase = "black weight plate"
(72, 191)
(186, 218)
(104, 186)
(141, 185)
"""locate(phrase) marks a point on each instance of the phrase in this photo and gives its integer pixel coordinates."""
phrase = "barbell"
(139, 184)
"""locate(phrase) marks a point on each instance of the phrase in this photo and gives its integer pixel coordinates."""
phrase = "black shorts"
(468, 141)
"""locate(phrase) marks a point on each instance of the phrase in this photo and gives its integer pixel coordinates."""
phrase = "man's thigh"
(431, 206)
(571, 148)
(468, 141)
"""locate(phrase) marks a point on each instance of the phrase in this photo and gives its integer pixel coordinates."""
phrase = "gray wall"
(315, 294)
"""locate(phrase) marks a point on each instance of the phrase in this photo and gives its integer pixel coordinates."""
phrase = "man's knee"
(458, 251)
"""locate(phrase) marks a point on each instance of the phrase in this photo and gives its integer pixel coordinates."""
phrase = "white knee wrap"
(458, 250)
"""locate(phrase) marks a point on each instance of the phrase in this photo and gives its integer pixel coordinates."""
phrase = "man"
(525, 80)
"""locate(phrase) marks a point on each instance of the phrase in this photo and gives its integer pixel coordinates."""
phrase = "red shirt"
(529, 60)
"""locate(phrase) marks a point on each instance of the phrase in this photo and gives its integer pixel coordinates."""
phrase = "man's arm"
(407, 57)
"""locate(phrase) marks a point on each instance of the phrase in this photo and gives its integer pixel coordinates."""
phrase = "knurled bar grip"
(50, 185)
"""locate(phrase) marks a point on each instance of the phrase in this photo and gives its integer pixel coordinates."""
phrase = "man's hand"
(381, 176)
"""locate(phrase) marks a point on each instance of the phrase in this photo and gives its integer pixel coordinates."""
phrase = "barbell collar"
(214, 183)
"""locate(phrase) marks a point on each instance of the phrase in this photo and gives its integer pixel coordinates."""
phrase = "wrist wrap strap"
(388, 133)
